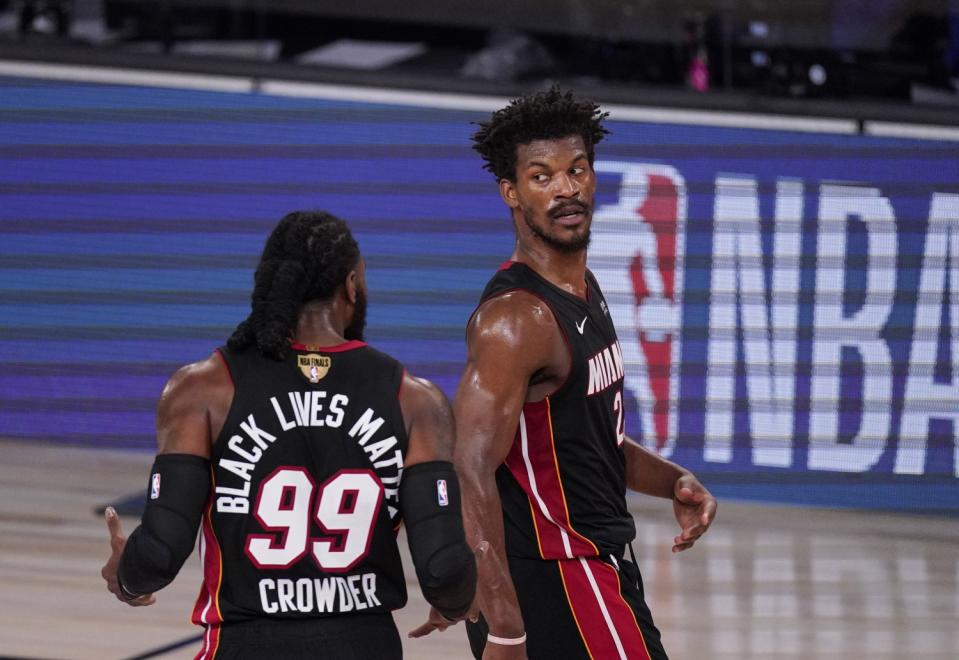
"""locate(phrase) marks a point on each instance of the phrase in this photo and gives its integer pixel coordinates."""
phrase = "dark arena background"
(780, 255)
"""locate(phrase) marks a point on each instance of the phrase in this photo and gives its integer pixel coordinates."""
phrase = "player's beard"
(355, 329)
(575, 244)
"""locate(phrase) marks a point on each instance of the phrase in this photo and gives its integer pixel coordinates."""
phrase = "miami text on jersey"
(605, 368)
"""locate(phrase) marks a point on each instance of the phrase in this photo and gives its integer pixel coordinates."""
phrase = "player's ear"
(351, 285)
(507, 190)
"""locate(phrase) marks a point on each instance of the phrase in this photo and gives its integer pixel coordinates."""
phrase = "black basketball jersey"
(563, 484)
(304, 505)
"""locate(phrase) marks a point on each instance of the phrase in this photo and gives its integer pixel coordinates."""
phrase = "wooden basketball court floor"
(766, 582)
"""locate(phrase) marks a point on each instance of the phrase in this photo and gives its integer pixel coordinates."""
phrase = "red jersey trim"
(399, 390)
(227, 365)
(533, 463)
(559, 479)
(506, 265)
(338, 348)
(207, 609)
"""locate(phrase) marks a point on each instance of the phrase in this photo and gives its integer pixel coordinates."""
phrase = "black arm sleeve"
(178, 490)
(445, 565)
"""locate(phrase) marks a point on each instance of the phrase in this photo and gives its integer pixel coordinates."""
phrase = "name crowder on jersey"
(306, 409)
(331, 594)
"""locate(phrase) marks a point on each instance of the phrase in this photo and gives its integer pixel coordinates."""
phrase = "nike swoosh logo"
(581, 325)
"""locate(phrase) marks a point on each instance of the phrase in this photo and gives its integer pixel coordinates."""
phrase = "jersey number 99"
(346, 507)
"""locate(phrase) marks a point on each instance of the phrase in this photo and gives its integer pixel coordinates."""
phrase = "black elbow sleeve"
(445, 565)
(156, 550)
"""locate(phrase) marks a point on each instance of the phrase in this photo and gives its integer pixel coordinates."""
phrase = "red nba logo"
(636, 254)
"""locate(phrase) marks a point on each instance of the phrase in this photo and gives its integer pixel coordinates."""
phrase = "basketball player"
(541, 451)
(289, 445)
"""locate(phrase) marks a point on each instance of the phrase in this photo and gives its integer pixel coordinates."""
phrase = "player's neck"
(318, 324)
(566, 270)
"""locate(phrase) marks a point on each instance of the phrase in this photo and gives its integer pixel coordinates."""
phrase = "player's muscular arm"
(510, 340)
(430, 502)
(193, 407)
(650, 473)
(428, 419)
(190, 414)
(693, 505)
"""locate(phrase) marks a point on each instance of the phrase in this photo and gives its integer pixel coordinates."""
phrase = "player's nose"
(565, 186)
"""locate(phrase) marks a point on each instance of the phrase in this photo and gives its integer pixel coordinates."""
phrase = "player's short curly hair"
(308, 255)
(543, 116)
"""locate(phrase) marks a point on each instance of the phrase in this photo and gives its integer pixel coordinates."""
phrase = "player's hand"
(109, 570)
(436, 621)
(695, 509)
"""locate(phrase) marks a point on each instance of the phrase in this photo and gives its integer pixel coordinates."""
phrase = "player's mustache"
(574, 206)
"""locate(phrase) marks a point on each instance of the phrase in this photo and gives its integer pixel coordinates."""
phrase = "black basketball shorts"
(582, 608)
(344, 637)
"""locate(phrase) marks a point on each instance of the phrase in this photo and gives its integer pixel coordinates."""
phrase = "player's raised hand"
(109, 570)
(436, 621)
(695, 509)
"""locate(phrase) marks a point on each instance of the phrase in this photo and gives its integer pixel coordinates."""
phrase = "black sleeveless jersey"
(303, 510)
(563, 484)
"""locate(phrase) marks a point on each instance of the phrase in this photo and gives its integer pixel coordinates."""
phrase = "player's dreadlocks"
(543, 116)
(307, 257)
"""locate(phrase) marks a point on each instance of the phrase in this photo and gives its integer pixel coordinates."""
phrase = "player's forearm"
(649, 473)
(157, 549)
(483, 520)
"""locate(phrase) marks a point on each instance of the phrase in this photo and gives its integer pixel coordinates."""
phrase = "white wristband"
(506, 641)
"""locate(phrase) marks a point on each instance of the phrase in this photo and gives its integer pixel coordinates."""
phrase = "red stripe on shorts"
(606, 622)
(211, 642)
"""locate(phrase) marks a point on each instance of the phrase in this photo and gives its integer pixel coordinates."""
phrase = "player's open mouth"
(569, 216)
(570, 220)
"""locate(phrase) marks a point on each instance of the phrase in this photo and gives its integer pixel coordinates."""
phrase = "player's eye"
(576, 171)
(540, 177)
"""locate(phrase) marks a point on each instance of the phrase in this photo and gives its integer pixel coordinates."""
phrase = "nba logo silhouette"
(155, 486)
(442, 497)
(636, 254)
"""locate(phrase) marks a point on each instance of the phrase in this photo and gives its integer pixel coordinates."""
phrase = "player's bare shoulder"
(516, 321)
(197, 381)
(420, 393)
(199, 390)
(516, 337)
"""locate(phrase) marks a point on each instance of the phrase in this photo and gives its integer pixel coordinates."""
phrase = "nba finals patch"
(313, 366)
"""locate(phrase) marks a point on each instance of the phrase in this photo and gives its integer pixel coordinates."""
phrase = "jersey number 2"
(347, 505)
(620, 424)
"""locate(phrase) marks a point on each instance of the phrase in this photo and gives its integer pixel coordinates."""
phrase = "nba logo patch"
(313, 367)
(638, 248)
(442, 496)
(155, 486)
